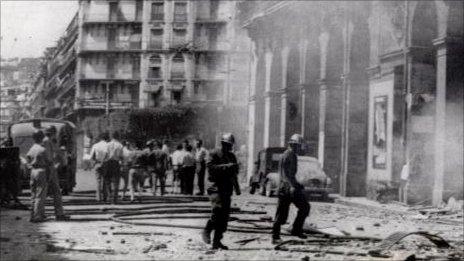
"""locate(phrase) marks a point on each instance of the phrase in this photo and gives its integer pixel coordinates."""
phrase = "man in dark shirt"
(222, 172)
(290, 191)
(161, 165)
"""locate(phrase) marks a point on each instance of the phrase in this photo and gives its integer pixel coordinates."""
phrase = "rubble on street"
(169, 228)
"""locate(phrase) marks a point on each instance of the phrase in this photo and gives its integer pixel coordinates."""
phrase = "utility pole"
(107, 101)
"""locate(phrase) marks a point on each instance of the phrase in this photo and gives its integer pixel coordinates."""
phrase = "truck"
(20, 135)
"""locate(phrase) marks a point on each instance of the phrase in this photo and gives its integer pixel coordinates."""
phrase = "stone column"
(252, 110)
(283, 115)
(323, 43)
(267, 99)
(303, 47)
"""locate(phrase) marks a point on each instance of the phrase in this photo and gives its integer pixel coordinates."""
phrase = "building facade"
(16, 82)
(371, 85)
(120, 55)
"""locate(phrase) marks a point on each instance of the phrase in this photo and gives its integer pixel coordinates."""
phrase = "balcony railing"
(157, 17)
(180, 18)
(134, 75)
(177, 74)
(113, 46)
(178, 42)
(105, 18)
(98, 103)
(153, 44)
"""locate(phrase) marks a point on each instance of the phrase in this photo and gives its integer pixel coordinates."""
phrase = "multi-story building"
(371, 85)
(153, 53)
(121, 55)
(17, 76)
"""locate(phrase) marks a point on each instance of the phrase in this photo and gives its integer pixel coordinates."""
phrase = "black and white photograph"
(232, 130)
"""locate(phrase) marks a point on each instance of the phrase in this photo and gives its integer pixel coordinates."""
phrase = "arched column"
(283, 111)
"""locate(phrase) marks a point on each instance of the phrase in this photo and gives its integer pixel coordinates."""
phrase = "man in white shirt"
(176, 158)
(99, 155)
(200, 158)
(404, 182)
(115, 156)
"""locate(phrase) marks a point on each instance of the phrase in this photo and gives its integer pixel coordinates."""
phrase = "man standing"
(176, 160)
(222, 172)
(99, 155)
(188, 171)
(290, 191)
(161, 165)
(113, 166)
(55, 160)
(38, 162)
(127, 152)
(200, 157)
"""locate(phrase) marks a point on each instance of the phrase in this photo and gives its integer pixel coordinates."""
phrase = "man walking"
(222, 172)
(161, 165)
(200, 157)
(99, 155)
(113, 165)
(290, 191)
(55, 161)
(38, 162)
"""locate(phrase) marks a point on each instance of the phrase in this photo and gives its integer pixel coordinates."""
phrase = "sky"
(28, 27)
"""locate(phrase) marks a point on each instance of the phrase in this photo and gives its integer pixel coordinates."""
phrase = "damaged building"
(371, 85)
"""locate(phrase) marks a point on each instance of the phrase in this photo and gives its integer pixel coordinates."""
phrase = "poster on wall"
(379, 155)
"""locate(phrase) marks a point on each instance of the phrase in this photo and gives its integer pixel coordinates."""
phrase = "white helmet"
(228, 138)
(296, 139)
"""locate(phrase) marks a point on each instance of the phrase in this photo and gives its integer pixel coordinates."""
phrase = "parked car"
(267, 162)
(309, 174)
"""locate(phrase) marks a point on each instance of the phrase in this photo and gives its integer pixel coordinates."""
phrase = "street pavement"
(91, 235)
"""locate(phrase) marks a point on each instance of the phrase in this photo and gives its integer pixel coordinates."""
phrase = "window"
(138, 10)
(114, 9)
(155, 59)
(180, 12)
(157, 11)
(154, 72)
(156, 40)
(179, 58)
(196, 88)
(176, 96)
(179, 37)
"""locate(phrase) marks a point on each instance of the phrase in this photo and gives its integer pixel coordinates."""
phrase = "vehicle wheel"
(268, 190)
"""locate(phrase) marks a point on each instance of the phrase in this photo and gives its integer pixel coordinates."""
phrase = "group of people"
(114, 161)
(45, 159)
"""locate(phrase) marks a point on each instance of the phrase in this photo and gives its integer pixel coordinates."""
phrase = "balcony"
(157, 17)
(113, 46)
(110, 75)
(114, 104)
(91, 19)
(155, 45)
(177, 74)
